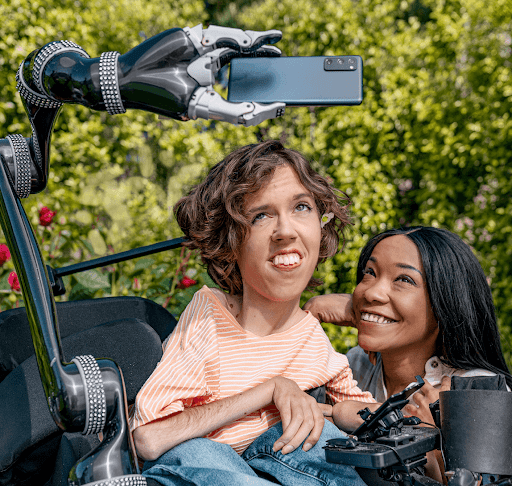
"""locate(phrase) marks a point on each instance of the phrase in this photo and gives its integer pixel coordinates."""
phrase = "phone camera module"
(340, 63)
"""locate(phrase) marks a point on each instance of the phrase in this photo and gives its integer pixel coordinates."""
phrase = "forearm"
(345, 414)
(153, 439)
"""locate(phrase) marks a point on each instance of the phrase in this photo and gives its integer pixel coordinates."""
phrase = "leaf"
(143, 263)
(97, 242)
(79, 292)
(92, 279)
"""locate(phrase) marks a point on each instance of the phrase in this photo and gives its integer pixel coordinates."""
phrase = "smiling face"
(391, 303)
(280, 254)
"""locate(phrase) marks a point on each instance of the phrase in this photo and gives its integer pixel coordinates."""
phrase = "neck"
(263, 317)
(401, 368)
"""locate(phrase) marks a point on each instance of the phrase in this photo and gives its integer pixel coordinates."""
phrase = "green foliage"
(430, 144)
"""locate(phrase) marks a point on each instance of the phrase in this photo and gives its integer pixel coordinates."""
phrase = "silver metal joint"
(96, 403)
(109, 83)
(22, 160)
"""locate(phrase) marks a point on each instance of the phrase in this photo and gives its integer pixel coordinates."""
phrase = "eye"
(259, 217)
(406, 279)
(369, 271)
(301, 207)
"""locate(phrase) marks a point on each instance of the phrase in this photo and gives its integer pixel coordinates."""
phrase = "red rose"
(5, 254)
(186, 282)
(46, 216)
(13, 281)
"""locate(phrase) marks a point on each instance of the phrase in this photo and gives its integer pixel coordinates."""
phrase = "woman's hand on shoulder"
(334, 308)
(426, 395)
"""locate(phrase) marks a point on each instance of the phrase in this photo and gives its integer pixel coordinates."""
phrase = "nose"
(284, 229)
(377, 291)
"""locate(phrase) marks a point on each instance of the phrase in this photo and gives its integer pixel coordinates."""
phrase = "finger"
(418, 398)
(265, 51)
(286, 415)
(265, 37)
(446, 383)
(316, 432)
(226, 55)
(430, 392)
(325, 409)
(426, 386)
(309, 431)
(290, 431)
(409, 410)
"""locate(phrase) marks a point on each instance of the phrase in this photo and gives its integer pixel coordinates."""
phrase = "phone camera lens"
(328, 62)
(351, 60)
(340, 61)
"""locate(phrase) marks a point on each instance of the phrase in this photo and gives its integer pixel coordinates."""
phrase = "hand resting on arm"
(301, 415)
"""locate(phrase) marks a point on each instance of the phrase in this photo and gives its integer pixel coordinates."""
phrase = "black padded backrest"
(27, 427)
(73, 317)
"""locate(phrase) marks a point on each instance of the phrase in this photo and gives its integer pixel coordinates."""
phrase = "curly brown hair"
(212, 215)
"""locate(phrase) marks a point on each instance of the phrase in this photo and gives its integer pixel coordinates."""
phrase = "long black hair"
(460, 296)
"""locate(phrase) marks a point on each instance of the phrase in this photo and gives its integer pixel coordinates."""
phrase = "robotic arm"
(171, 74)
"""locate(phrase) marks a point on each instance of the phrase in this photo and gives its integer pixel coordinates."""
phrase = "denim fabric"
(300, 468)
(203, 462)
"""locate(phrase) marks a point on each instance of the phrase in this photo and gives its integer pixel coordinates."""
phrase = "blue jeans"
(203, 462)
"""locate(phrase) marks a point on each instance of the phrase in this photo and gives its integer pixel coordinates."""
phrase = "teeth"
(288, 259)
(375, 318)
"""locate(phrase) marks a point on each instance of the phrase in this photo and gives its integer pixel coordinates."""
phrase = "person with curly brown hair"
(227, 404)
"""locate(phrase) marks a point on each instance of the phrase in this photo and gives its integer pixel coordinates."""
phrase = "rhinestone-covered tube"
(22, 160)
(109, 83)
(129, 480)
(96, 404)
(31, 96)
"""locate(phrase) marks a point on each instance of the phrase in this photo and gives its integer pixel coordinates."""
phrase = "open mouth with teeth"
(287, 260)
(366, 316)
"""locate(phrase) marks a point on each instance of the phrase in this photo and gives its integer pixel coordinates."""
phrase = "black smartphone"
(297, 81)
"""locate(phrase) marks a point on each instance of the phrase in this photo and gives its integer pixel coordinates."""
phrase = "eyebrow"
(264, 207)
(399, 265)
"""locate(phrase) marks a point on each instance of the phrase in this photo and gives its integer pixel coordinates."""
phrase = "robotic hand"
(171, 74)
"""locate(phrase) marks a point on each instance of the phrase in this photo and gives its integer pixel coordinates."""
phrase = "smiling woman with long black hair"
(422, 306)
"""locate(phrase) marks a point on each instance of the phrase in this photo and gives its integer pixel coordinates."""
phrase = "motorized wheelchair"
(64, 409)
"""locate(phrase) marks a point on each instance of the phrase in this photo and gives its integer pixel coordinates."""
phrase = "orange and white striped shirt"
(209, 356)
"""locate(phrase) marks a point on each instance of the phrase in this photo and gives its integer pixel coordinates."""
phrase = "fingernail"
(307, 447)
(287, 449)
(278, 446)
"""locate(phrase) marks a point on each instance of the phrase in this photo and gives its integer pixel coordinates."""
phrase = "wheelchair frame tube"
(63, 385)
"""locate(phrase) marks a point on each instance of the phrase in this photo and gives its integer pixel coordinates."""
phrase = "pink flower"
(186, 282)
(5, 254)
(136, 284)
(46, 216)
(14, 282)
